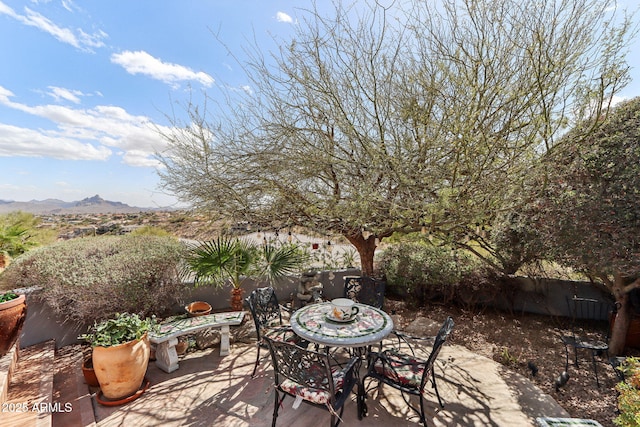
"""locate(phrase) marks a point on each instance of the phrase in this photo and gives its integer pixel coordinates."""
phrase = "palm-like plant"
(232, 260)
(223, 260)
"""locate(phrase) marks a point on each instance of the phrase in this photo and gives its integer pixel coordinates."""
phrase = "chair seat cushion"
(400, 368)
(313, 395)
(580, 342)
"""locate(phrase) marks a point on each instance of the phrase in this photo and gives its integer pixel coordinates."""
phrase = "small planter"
(198, 308)
(181, 347)
(12, 316)
(89, 373)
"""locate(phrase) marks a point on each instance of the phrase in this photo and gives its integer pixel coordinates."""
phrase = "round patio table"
(368, 327)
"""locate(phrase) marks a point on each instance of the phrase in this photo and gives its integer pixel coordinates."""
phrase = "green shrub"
(94, 278)
(629, 397)
(425, 272)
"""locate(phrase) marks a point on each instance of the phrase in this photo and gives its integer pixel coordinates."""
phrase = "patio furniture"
(166, 337)
(589, 329)
(267, 316)
(368, 327)
(407, 373)
(365, 290)
(308, 376)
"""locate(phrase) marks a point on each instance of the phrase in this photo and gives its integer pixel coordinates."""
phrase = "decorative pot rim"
(206, 308)
(12, 302)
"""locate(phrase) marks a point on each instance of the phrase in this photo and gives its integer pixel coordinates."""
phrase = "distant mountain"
(90, 205)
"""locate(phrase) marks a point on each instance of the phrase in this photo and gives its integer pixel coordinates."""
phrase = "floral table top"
(369, 326)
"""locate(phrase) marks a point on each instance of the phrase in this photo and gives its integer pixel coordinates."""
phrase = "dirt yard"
(528, 343)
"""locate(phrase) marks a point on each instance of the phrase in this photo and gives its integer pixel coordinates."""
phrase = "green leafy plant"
(629, 398)
(425, 272)
(506, 358)
(122, 328)
(232, 260)
(8, 296)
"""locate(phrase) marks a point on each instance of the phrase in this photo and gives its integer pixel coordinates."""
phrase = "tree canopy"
(584, 209)
(377, 120)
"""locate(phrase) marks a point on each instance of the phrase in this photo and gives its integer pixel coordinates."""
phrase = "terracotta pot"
(198, 308)
(12, 316)
(120, 369)
(236, 299)
(181, 347)
(89, 373)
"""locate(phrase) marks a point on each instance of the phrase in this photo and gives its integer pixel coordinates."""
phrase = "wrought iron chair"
(406, 372)
(365, 290)
(267, 316)
(308, 375)
(589, 329)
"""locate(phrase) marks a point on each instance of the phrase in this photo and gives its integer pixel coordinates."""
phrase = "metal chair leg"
(435, 387)
(595, 366)
(255, 367)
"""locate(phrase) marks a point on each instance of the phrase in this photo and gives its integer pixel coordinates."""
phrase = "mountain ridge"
(88, 205)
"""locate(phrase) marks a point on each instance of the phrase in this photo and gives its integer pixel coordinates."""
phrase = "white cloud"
(141, 62)
(283, 17)
(81, 40)
(81, 134)
(59, 93)
(17, 141)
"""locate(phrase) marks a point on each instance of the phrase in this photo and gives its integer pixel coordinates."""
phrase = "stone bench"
(166, 338)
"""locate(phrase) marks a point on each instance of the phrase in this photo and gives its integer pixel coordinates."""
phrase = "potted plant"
(120, 353)
(232, 260)
(13, 312)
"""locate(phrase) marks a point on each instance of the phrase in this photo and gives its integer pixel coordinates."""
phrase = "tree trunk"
(366, 249)
(618, 337)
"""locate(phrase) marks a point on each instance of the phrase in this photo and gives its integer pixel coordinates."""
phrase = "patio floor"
(209, 390)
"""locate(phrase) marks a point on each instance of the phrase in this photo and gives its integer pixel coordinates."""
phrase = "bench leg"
(166, 355)
(224, 340)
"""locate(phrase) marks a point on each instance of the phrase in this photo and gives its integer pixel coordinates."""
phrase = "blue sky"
(83, 83)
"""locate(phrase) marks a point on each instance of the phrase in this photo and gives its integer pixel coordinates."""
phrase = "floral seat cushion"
(400, 368)
(310, 394)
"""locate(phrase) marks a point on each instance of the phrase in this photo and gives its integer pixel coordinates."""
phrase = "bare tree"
(379, 119)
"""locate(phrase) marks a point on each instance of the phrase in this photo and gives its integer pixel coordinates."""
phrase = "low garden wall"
(42, 324)
(525, 295)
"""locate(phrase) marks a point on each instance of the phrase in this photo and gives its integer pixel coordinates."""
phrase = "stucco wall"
(541, 296)
(42, 324)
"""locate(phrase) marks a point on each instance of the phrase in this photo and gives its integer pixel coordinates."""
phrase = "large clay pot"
(236, 299)
(12, 316)
(120, 369)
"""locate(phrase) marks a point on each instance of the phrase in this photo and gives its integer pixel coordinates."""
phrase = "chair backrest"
(305, 367)
(365, 290)
(440, 339)
(591, 313)
(265, 308)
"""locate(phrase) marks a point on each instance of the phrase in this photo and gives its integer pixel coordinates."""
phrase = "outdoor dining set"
(331, 349)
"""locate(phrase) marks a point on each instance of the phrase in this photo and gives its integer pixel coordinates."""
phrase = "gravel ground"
(526, 343)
